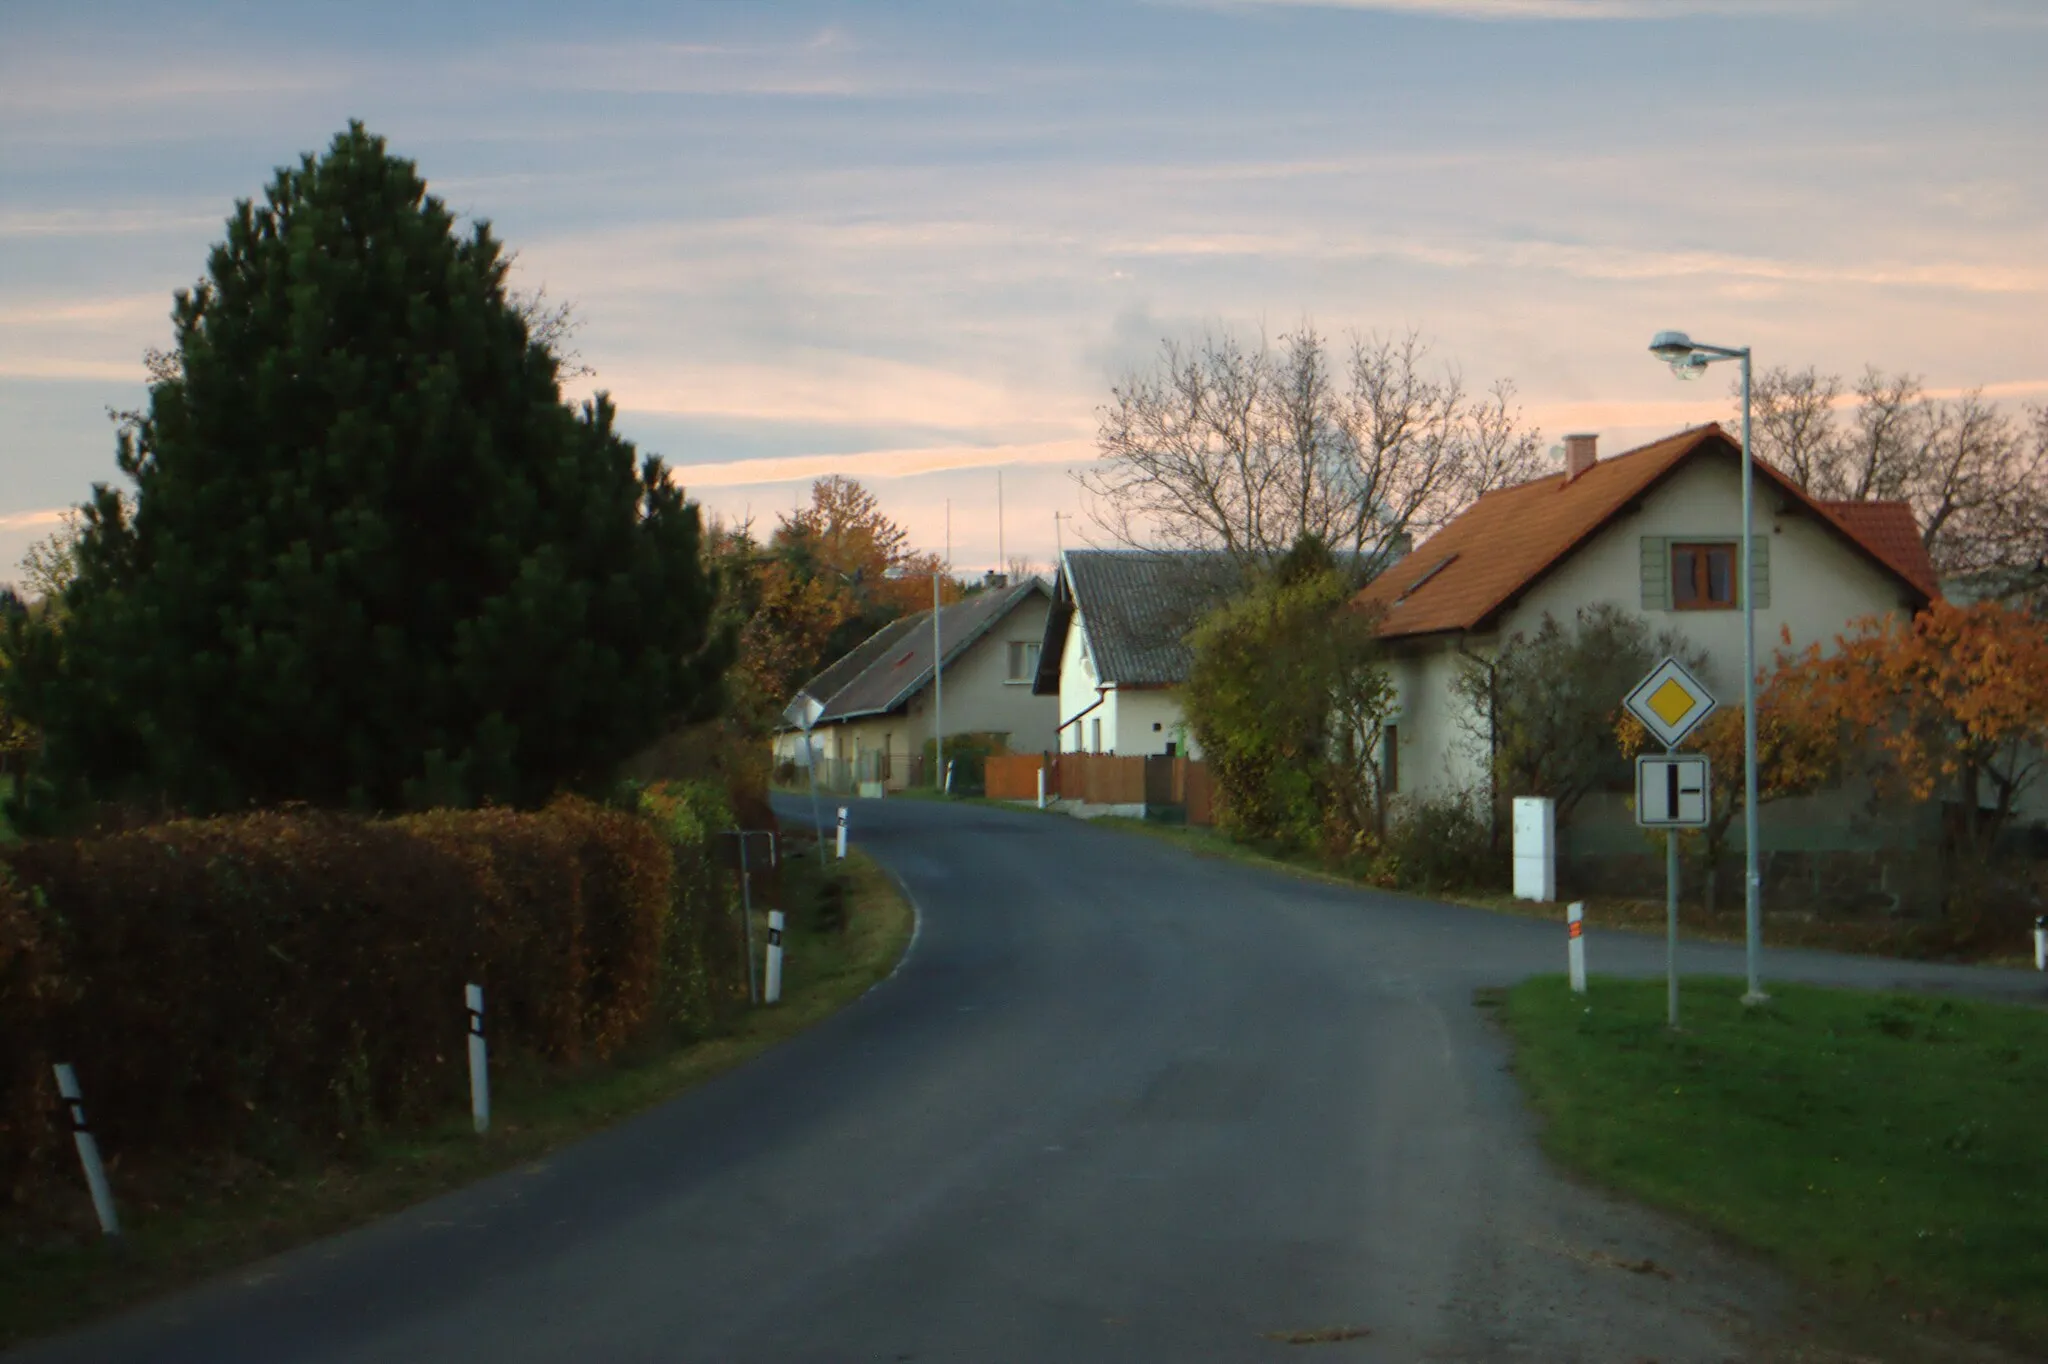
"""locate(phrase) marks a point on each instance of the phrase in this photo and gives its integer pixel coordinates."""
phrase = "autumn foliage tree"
(1798, 751)
(818, 586)
(1956, 699)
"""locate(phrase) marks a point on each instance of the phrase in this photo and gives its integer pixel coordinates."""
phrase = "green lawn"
(1888, 1145)
(201, 1222)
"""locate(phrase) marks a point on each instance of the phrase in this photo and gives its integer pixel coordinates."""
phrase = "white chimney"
(1580, 454)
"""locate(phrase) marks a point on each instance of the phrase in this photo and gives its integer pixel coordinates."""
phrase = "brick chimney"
(1580, 454)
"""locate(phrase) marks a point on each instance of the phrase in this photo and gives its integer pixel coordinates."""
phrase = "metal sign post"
(803, 712)
(1673, 791)
(747, 899)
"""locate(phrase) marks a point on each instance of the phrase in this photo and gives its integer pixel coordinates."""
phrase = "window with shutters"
(1703, 576)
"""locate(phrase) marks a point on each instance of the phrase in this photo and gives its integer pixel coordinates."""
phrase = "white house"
(1113, 651)
(878, 702)
(1654, 531)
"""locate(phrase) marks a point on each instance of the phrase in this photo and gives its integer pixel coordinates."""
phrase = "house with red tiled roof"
(1655, 531)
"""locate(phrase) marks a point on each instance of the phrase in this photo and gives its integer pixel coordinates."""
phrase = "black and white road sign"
(1672, 791)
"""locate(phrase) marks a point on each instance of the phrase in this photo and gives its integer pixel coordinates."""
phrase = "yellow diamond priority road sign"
(1669, 702)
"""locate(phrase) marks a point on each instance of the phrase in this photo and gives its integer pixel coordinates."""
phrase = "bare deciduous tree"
(1792, 421)
(1976, 478)
(553, 327)
(1246, 449)
(52, 562)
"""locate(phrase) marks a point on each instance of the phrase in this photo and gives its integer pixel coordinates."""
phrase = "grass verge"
(198, 1223)
(1885, 1145)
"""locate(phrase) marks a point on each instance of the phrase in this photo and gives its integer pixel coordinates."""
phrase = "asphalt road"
(1118, 1104)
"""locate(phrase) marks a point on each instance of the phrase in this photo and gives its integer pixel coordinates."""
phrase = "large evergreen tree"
(371, 557)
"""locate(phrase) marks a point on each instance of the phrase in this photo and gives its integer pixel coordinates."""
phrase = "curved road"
(1118, 1104)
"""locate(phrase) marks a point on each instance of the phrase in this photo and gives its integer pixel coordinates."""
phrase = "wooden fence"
(1106, 779)
(1014, 776)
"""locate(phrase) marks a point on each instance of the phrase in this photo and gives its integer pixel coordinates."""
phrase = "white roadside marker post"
(1041, 786)
(2041, 943)
(88, 1151)
(949, 777)
(479, 1060)
(773, 993)
(1575, 936)
(842, 833)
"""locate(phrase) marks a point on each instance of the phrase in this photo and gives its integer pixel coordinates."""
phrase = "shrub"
(1290, 698)
(293, 980)
(969, 755)
(1439, 843)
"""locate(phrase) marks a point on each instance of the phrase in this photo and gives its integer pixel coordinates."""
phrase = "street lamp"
(938, 680)
(1688, 360)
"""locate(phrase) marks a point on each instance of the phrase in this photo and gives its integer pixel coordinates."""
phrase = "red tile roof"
(1888, 530)
(1505, 542)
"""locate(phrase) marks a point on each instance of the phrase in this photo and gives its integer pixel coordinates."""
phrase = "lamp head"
(1691, 365)
(1671, 347)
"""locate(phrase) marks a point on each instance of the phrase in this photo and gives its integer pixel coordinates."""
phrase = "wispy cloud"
(34, 520)
(883, 463)
(81, 222)
(836, 390)
(127, 308)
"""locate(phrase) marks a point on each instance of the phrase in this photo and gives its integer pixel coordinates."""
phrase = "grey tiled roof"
(892, 665)
(1136, 605)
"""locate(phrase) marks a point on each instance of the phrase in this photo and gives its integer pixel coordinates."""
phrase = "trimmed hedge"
(288, 981)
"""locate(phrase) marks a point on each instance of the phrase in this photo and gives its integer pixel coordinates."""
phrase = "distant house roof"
(1462, 577)
(1137, 606)
(883, 671)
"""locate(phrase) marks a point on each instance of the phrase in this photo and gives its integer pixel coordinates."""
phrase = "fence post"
(88, 1151)
(1575, 936)
(773, 993)
(747, 917)
(479, 1060)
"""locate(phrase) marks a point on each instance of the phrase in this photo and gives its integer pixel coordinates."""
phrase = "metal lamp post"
(938, 683)
(1688, 360)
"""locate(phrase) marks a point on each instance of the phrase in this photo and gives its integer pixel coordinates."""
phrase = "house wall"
(1438, 751)
(1078, 692)
(1147, 720)
(981, 698)
(1819, 587)
(1128, 714)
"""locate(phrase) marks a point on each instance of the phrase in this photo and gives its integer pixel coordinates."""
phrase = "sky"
(917, 243)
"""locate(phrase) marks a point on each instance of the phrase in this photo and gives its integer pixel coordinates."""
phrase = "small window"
(1095, 736)
(1390, 760)
(1023, 661)
(1703, 577)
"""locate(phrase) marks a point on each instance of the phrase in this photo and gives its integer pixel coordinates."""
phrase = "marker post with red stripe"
(1575, 936)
